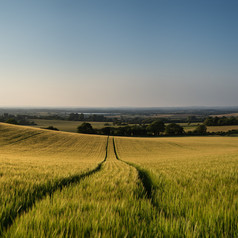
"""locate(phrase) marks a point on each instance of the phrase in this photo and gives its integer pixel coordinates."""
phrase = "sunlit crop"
(57, 184)
(195, 180)
(34, 162)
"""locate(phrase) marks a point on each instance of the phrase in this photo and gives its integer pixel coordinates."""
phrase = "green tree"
(106, 130)
(174, 129)
(86, 128)
(191, 119)
(52, 128)
(11, 121)
(156, 127)
(200, 130)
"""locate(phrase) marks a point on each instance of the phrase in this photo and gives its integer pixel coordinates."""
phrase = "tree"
(200, 130)
(174, 129)
(81, 117)
(123, 131)
(106, 130)
(138, 130)
(191, 119)
(86, 128)
(73, 117)
(156, 127)
(11, 121)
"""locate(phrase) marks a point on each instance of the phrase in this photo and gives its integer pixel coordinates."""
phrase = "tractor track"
(143, 176)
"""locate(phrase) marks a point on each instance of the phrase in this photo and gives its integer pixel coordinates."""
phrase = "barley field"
(59, 184)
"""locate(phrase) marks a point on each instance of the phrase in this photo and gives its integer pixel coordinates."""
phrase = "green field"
(69, 126)
(59, 184)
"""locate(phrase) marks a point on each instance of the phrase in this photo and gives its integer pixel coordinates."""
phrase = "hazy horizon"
(118, 54)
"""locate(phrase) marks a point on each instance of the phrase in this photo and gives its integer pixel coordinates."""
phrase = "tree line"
(17, 120)
(221, 121)
(156, 128)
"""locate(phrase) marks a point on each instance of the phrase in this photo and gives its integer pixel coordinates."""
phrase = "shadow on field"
(39, 193)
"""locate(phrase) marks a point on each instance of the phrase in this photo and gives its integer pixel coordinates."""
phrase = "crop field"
(58, 184)
(69, 126)
(193, 126)
(194, 181)
(35, 162)
(221, 128)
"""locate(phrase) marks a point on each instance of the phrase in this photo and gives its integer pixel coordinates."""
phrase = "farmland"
(192, 126)
(63, 125)
(195, 180)
(71, 126)
(34, 162)
(58, 184)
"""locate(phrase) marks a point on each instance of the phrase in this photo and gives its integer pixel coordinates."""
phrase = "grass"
(195, 181)
(58, 184)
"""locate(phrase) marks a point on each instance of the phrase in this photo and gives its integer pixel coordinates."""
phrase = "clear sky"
(107, 53)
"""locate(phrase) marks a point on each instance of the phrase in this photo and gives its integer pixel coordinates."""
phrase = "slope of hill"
(34, 162)
(66, 184)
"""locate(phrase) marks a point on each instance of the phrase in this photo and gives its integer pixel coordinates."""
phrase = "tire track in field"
(42, 191)
(108, 190)
(142, 174)
(149, 184)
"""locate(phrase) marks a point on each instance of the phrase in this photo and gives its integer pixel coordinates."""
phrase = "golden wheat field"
(58, 184)
(194, 180)
(34, 162)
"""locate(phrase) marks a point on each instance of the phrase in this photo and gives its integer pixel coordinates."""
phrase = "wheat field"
(194, 180)
(34, 162)
(58, 184)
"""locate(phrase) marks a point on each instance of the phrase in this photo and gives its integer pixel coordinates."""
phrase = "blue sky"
(118, 53)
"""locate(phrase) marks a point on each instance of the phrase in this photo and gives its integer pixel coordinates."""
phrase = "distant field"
(69, 126)
(189, 127)
(192, 126)
(58, 184)
(226, 115)
(221, 128)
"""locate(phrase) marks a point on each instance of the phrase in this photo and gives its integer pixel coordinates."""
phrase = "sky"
(108, 53)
